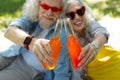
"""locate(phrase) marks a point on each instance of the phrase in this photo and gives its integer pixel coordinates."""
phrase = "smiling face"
(49, 12)
(78, 21)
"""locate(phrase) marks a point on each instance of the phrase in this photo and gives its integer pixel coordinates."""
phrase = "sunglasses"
(79, 11)
(47, 7)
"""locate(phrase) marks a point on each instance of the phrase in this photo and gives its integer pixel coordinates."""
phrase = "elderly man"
(32, 33)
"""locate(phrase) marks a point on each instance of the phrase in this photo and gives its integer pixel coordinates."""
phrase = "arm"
(95, 29)
(16, 35)
(100, 37)
(19, 31)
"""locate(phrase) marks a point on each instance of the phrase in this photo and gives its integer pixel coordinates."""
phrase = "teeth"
(78, 22)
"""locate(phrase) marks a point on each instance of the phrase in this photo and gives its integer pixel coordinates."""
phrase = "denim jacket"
(62, 70)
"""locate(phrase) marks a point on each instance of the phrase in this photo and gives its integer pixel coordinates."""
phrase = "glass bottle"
(73, 45)
(55, 45)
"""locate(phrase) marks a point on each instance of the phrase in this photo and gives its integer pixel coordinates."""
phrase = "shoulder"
(23, 23)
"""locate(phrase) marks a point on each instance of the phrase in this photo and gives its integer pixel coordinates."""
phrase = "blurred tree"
(105, 7)
(9, 10)
(10, 6)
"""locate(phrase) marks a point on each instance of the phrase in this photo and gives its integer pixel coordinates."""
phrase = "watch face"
(27, 40)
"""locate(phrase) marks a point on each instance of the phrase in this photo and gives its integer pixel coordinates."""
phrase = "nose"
(76, 16)
(49, 12)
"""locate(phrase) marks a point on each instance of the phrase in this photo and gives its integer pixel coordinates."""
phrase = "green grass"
(9, 10)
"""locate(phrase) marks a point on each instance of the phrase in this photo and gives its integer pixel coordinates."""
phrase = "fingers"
(39, 59)
(45, 49)
(84, 51)
(43, 56)
(89, 54)
(43, 52)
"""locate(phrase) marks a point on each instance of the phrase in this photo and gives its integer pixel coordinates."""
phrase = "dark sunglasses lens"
(71, 15)
(81, 11)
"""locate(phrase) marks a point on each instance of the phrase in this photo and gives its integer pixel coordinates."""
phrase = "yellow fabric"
(106, 66)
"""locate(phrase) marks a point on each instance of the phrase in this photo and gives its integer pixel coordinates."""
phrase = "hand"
(41, 48)
(88, 54)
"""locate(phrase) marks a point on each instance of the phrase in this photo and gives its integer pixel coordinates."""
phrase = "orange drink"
(55, 47)
(74, 50)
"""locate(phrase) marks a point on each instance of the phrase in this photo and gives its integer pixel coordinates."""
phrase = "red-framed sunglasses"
(47, 7)
(79, 11)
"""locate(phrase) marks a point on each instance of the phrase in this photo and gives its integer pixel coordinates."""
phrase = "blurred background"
(107, 13)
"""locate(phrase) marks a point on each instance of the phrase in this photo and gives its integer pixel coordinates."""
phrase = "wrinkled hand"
(41, 48)
(88, 54)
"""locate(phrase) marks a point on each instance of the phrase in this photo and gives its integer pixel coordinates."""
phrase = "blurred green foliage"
(9, 10)
(10, 6)
(105, 7)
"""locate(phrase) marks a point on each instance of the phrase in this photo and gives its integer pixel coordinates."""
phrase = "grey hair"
(89, 16)
(31, 9)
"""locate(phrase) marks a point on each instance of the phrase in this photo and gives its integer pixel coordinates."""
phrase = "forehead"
(55, 3)
(73, 6)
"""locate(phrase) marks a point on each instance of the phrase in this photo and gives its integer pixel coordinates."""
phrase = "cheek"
(56, 14)
(41, 11)
(82, 26)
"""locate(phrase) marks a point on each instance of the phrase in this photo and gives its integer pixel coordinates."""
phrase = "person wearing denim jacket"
(26, 65)
(63, 62)
(91, 35)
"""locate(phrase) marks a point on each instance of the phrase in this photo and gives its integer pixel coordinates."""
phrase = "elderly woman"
(91, 35)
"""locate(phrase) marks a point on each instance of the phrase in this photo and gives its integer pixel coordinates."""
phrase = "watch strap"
(27, 42)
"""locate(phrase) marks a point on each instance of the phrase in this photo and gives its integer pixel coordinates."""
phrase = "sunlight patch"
(104, 58)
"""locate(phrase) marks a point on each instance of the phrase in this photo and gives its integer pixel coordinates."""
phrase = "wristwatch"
(27, 41)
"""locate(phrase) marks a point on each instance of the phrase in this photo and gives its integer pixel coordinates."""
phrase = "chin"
(45, 25)
(78, 29)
